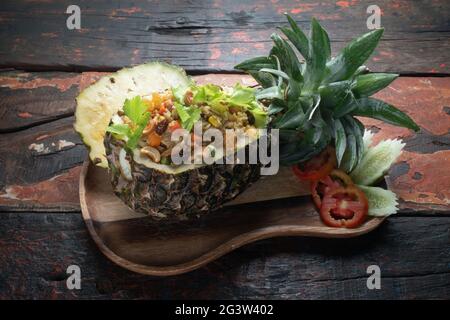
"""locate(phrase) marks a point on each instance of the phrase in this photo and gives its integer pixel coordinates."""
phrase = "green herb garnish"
(188, 115)
(241, 97)
(136, 110)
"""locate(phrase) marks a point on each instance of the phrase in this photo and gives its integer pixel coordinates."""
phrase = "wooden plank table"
(45, 66)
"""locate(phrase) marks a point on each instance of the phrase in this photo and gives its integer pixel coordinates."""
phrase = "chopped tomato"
(344, 207)
(153, 139)
(317, 167)
(162, 109)
(174, 125)
(336, 179)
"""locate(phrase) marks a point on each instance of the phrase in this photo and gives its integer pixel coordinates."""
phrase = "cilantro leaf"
(241, 96)
(134, 109)
(137, 133)
(193, 118)
(206, 93)
(188, 115)
(120, 129)
(182, 112)
(179, 92)
(259, 114)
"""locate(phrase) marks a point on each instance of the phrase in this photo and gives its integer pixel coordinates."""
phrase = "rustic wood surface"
(212, 35)
(41, 229)
(135, 242)
(412, 253)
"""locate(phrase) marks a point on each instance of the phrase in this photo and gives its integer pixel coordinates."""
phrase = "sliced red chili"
(336, 179)
(174, 125)
(344, 207)
(317, 167)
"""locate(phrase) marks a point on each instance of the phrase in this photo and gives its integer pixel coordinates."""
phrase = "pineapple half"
(98, 103)
(164, 192)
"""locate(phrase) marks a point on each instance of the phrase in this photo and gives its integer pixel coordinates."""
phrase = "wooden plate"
(268, 209)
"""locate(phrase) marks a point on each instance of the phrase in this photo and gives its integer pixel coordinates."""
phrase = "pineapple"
(99, 102)
(181, 194)
(164, 192)
(315, 102)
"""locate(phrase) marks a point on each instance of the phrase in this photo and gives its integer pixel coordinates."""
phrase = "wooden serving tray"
(274, 206)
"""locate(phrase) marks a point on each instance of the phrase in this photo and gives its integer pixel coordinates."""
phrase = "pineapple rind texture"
(177, 197)
(97, 103)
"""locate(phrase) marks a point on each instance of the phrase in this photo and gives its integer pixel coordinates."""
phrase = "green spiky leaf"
(256, 63)
(328, 93)
(287, 57)
(318, 54)
(350, 157)
(334, 94)
(297, 37)
(353, 56)
(269, 93)
(340, 140)
(276, 106)
(377, 109)
(292, 119)
(266, 80)
(367, 84)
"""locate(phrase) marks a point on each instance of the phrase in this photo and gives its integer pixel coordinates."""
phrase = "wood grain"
(412, 252)
(213, 36)
(45, 158)
(36, 247)
(137, 243)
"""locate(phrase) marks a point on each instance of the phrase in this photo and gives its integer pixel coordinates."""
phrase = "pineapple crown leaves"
(314, 102)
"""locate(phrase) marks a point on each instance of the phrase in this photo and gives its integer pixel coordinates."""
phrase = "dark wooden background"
(44, 66)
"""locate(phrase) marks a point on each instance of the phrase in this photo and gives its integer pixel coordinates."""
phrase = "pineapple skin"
(186, 196)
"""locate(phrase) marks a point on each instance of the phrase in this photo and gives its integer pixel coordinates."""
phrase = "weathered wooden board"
(137, 243)
(39, 166)
(28, 99)
(412, 252)
(40, 155)
(213, 35)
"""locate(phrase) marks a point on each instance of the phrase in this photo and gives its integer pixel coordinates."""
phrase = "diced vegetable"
(174, 125)
(154, 139)
(100, 101)
(220, 101)
(214, 121)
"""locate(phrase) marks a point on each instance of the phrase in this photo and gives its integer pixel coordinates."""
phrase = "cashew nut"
(152, 153)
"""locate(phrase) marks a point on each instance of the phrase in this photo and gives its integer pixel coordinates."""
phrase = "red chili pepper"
(344, 207)
(336, 179)
(317, 167)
